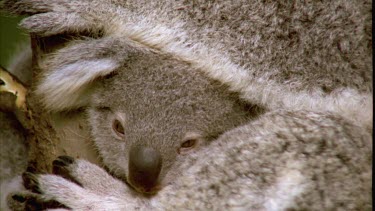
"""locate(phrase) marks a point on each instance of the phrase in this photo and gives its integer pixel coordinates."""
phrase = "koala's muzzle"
(144, 168)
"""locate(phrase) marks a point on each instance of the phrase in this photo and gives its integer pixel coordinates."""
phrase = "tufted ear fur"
(69, 72)
(66, 87)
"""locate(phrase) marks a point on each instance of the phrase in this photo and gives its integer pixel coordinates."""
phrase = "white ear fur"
(67, 87)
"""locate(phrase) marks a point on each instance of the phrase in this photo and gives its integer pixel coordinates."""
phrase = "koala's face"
(153, 113)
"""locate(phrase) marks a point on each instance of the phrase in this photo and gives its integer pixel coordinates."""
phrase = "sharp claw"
(32, 201)
(30, 182)
(19, 198)
(37, 203)
(64, 160)
(59, 167)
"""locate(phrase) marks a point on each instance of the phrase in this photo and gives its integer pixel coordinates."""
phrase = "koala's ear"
(68, 74)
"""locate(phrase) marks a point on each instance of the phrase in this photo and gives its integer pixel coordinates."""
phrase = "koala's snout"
(144, 167)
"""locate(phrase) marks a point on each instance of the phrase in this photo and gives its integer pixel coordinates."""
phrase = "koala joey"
(144, 121)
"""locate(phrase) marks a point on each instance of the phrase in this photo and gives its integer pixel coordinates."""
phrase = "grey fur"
(13, 155)
(169, 69)
(304, 45)
(297, 44)
(283, 160)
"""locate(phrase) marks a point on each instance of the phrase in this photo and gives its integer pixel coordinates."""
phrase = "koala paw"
(31, 201)
(88, 175)
(51, 17)
(79, 185)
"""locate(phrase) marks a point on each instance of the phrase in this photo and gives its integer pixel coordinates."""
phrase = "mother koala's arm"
(284, 159)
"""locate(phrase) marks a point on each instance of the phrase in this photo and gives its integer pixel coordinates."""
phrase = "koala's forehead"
(149, 78)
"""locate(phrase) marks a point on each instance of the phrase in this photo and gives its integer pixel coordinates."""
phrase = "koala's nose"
(144, 167)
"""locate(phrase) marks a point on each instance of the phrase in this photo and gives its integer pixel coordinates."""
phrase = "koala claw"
(60, 167)
(31, 201)
(37, 203)
(63, 160)
(30, 182)
(19, 198)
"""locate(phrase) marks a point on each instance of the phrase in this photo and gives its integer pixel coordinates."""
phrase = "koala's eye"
(187, 146)
(190, 142)
(118, 128)
(103, 108)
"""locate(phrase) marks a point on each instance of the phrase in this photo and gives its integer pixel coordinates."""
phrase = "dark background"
(11, 38)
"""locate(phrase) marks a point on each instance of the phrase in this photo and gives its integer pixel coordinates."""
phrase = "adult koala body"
(283, 160)
(172, 65)
(290, 54)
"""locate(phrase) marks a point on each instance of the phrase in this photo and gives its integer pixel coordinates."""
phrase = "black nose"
(144, 167)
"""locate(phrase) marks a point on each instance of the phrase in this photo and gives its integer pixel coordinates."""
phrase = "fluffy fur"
(77, 75)
(268, 164)
(249, 57)
(168, 69)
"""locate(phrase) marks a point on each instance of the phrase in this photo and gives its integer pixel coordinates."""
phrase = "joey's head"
(148, 111)
(154, 112)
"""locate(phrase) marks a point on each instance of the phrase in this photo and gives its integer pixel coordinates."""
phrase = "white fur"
(282, 195)
(92, 200)
(94, 196)
(63, 87)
